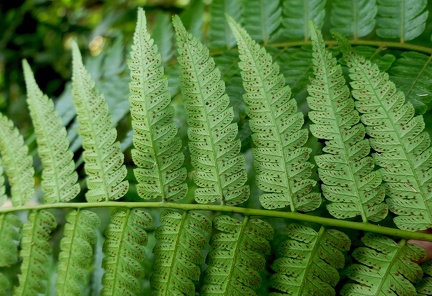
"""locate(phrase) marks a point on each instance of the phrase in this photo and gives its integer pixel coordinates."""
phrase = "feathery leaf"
(178, 253)
(124, 252)
(308, 261)
(17, 162)
(237, 256)
(261, 18)
(102, 155)
(280, 160)
(345, 169)
(402, 147)
(59, 179)
(220, 35)
(10, 226)
(215, 151)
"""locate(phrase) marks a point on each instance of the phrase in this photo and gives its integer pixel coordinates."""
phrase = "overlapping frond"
(280, 159)
(297, 13)
(76, 254)
(261, 18)
(354, 18)
(124, 252)
(17, 162)
(424, 286)
(308, 261)
(384, 268)
(102, 155)
(237, 256)
(412, 73)
(347, 172)
(59, 179)
(402, 146)
(179, 257)
(35, 253)
(220, 35)
(215, 151)
(157, 150)
(403, 19)
(10, 226)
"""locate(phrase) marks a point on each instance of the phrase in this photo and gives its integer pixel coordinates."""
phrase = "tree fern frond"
(178, 253)
(397, 136)
(297, 13)
(424, 286)
(261, 18)
(220, 35)
(280, 160)
(403, 19)
(10, 226)
(35, 253)
(386, 268)
(355, 18)
(124, 252)
(237, 256)
(102, 155)
(76, 254)
(309, 261)
(157, 149)
(3, 195)
(215, 151)
(382, 59)
(59, 179)
(412, 73)
(350, 182)
(17, 162)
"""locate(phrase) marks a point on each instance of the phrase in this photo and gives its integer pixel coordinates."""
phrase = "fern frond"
(403, 19)
(17, 162)
(237, 256)
(355, 18)
(215, 151)
(124, 252)
(4, 285)
(424, 286)
(397, 136)
(309, 261)
(280, 160)
(59, 179)
(178, 253)
(76, 254)
(3, 195)
(35, 253)
(103, 158)
(382, 59)
(297, 13)
(386, 268)
(412, 73)
(220, 35)
(10, 226)
(261, 18)
(350, 182)
(157, 150)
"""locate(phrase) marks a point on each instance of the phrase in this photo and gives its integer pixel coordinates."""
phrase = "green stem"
(245, 211)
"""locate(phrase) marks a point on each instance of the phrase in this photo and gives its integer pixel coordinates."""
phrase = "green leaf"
(59, 179)
(215, 151)
(179, 252)
(280, 160)
(350, 182)
(220, 35)
(4, 285)
(35, 252)
(308, 261)
(3, 195)
(17, 162)
(237, 256)
(386, 268)
(403, 19)
(353, 18)
(398, 137)
(157, 150)
(261, 18)
(424, 286)
(102, 155)
(76, 254)
(124, 252)
(10, 226)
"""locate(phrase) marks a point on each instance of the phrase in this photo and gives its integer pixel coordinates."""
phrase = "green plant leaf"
(157, 150)
(220, 35)
(59, 179)
(308, 261)
(280, 160)
(3, 195)
(10, 226)
(102, 155)
(261, 18)
(424, 286)
(17, 162)
(215, 151)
